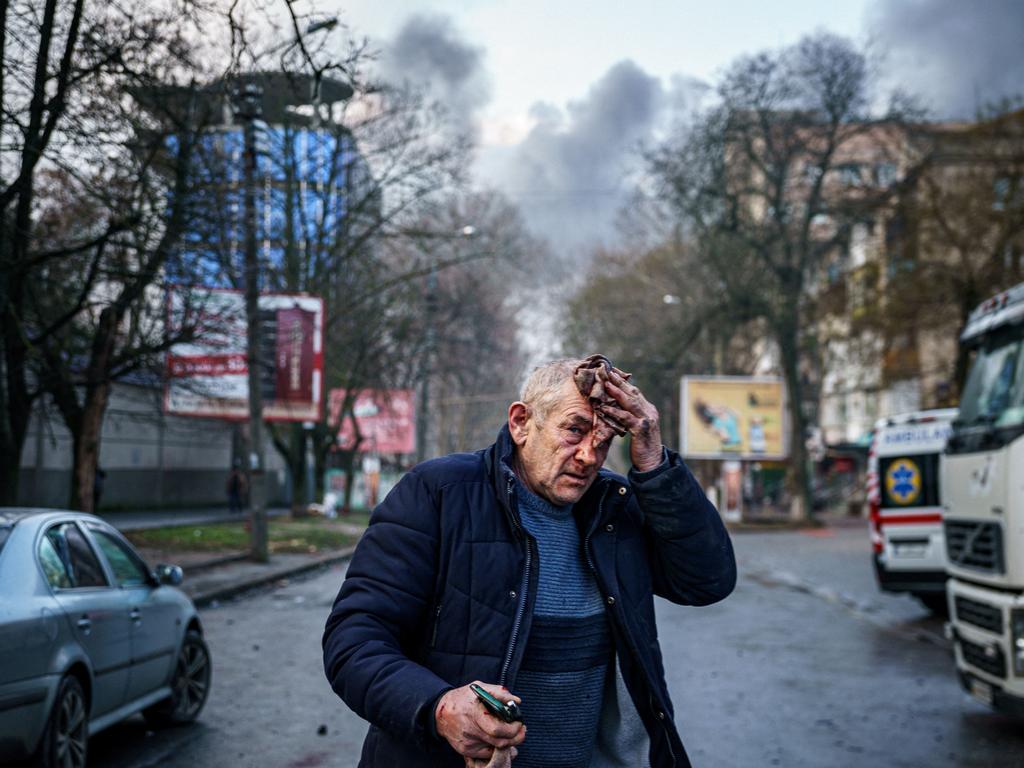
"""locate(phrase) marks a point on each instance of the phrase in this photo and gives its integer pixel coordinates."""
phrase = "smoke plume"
(429, 52)
(959, 56)
(571, 173)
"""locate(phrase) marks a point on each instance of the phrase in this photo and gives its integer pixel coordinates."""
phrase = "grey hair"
(541, 392)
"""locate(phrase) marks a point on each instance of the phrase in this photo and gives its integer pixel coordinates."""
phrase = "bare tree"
(767, 184)
(85, 225)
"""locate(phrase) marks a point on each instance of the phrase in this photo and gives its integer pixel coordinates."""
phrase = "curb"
(205, 598)
(213, 562)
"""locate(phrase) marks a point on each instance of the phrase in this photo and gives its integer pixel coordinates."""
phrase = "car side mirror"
(169, 574)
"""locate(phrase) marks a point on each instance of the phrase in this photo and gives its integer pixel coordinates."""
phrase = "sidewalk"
(159, 518)
(221, 579)
(213, 576)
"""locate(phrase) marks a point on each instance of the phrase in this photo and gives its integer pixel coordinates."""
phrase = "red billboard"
(209, 376)
(386, 417)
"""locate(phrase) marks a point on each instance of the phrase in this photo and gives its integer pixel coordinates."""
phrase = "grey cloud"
(959, 56)
(569, 175)
(429, 51)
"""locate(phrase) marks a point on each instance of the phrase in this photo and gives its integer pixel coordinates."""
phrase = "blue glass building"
(312, 187)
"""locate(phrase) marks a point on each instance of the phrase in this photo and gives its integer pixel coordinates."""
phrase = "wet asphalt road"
(805, 665)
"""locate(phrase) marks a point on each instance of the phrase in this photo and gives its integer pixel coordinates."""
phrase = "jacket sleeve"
(691, 556)
(378, 613)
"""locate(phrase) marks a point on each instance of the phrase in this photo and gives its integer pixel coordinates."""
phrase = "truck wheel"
(65, 740)
(934, 602)
(190, 685)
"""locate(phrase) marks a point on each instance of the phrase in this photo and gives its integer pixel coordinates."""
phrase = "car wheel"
(65, 741)
(190, 685)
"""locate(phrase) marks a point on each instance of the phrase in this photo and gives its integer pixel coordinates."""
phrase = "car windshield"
(994, 392)
(5, 531)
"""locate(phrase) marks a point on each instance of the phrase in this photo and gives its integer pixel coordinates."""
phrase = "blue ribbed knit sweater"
(562, 677)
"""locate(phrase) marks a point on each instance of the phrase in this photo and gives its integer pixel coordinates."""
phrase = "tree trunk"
(788, 340)
(10, 466)
(297, 466)
(349, 460)
(86, 446)
(12, 441)
(323, 441)
(15, 410)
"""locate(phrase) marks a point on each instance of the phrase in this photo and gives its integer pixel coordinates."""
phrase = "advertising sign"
(386, 417)
(210, 376)
(732, 417)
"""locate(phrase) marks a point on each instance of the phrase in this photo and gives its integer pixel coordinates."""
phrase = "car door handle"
(136, 615)
(85, 624)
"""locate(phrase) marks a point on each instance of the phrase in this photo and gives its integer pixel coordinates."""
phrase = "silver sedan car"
(88, 636)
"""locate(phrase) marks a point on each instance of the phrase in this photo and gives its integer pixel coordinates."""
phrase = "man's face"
(558, 459)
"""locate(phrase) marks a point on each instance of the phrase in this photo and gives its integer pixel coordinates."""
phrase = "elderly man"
(527, 568)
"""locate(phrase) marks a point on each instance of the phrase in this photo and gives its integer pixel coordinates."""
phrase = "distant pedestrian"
(97, 487)
(236, 489)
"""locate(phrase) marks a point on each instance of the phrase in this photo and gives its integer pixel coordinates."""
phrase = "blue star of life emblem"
(903, 481)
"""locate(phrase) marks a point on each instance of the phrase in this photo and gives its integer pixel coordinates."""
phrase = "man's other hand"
(472, 731)
(640, 417)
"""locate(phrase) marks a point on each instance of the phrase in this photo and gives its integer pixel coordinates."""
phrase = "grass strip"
(284, 535)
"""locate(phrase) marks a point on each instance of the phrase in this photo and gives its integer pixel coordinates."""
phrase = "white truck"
(982, 476)
(904, 503)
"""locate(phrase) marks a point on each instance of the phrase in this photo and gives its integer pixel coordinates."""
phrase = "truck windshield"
(994, 391)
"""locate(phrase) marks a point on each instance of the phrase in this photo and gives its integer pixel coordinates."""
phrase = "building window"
(1006, 193)
(885, 174)
(849, 174)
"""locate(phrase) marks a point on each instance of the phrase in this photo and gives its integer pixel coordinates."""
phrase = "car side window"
(54, 569)
(77, 556)
(128, 570)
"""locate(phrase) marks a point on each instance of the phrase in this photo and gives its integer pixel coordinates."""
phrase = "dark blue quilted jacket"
(440, 592)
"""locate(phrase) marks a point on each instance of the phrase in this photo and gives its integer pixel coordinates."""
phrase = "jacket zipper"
(521, 607)
(437, 621)
(590, 562)
(586, 539)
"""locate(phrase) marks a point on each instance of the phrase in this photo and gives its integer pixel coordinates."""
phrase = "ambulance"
(905, 507)
(983, 480)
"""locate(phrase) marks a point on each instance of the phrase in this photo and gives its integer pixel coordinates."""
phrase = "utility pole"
(248, 107)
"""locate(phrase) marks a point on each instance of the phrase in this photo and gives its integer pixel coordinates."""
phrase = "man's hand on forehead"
(638, 416)
(590, 377)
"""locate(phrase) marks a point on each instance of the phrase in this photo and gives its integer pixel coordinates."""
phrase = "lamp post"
(248, 107)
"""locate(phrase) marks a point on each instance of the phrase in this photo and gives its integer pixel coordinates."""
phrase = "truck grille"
(975, 545)
(987, 658)
(979, 614)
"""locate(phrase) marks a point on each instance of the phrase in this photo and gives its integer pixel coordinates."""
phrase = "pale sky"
(562, 93)
(554, 50)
